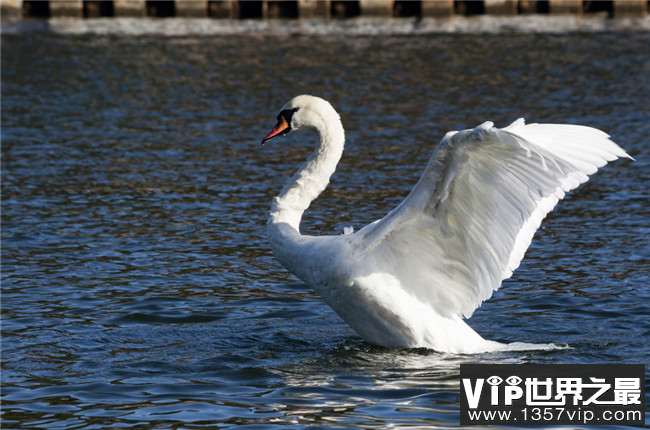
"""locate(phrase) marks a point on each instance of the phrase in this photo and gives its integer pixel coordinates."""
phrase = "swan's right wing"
(472, 215)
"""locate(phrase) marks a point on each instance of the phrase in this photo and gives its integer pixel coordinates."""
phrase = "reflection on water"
(362, 26)
(137, 286)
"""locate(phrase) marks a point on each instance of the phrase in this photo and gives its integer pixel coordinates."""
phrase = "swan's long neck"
(313, 176)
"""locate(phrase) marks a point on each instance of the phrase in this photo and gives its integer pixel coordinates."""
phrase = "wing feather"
(469, 220)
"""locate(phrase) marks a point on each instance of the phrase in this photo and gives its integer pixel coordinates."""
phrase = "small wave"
(158, 318)
(523, 346)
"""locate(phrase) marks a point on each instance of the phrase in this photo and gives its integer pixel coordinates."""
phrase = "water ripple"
(138, 289)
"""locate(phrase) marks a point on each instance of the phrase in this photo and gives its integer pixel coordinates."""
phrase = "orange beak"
(280, 129)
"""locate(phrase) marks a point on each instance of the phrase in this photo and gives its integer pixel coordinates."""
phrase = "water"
(138, 289)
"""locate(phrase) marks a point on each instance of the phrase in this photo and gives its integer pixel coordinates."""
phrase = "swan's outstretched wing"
(467, 223)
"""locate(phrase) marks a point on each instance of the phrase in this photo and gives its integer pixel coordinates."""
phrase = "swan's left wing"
(467, 223)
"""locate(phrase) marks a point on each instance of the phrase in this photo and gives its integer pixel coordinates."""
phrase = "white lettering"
(512, 392)
(473, 396)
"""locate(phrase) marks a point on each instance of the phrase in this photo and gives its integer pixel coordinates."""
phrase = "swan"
(410, 279)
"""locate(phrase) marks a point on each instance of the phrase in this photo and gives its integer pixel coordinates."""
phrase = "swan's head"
(303, 112)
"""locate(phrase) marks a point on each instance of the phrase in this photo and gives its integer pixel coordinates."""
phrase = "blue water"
(137, 286)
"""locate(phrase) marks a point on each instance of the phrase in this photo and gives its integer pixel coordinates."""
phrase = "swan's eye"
(287, 114)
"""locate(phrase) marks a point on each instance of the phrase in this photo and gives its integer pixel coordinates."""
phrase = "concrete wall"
(306, 9)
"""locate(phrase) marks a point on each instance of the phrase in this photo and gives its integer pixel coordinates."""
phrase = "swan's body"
(409, 279)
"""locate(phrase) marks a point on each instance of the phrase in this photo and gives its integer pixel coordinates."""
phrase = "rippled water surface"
(137, 286)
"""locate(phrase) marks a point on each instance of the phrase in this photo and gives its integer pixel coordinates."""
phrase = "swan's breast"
(375, 306)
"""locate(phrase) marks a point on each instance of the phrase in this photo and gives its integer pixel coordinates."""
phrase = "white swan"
(409, 279)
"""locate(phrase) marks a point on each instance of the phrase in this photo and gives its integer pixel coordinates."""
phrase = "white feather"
(408, 279)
